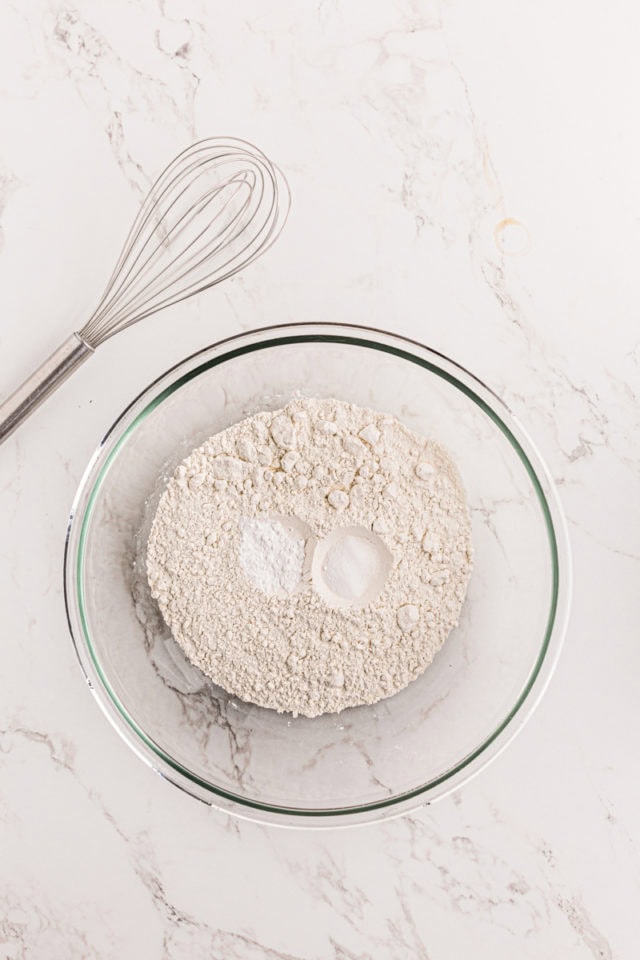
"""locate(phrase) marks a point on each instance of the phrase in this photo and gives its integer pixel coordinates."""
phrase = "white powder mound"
(350, 567)
(313, 558)
(271, 556)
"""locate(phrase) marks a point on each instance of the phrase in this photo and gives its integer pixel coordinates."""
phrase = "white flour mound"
(312, 558)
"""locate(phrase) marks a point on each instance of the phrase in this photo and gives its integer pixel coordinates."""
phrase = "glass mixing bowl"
(368, 762)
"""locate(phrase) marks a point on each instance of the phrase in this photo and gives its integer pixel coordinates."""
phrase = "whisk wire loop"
(212, 211)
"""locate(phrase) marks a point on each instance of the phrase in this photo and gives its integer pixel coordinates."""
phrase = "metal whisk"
(217, 207)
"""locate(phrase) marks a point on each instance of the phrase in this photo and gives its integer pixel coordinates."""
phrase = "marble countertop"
(465, 174)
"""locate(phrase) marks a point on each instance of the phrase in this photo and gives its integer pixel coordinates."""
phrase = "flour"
(313, 558)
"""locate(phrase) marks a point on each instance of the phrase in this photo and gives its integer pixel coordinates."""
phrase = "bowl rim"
(279, 335)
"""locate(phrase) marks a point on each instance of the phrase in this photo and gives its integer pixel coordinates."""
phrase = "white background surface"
(409, 131)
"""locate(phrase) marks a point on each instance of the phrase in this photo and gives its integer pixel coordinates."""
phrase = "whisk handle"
(41, 383)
